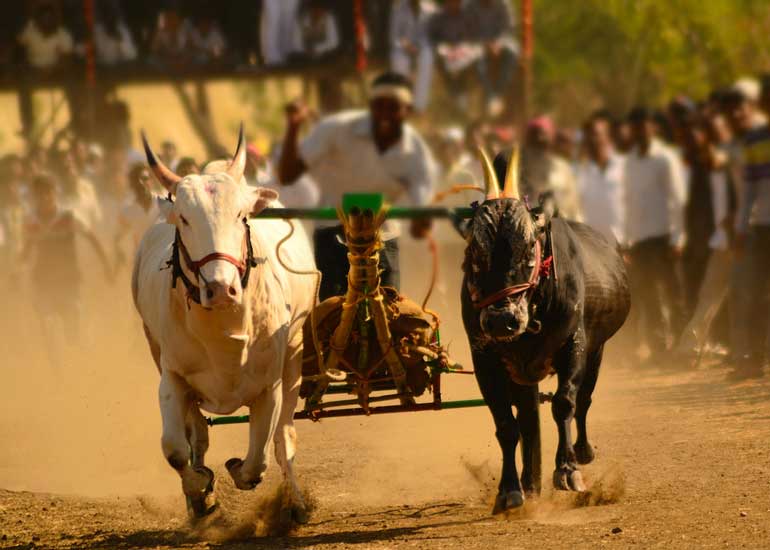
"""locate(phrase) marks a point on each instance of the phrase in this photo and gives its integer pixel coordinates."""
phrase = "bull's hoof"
(568, 479)
(584, 452)
(197, 481)
(507, 500)
(199, 507)
(299, 514)
(234, 466)
(198, 486)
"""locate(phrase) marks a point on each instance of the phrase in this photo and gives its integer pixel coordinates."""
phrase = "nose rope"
(515, 290)
(193, 290)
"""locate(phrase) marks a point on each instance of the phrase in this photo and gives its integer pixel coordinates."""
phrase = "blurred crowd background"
(669, 157)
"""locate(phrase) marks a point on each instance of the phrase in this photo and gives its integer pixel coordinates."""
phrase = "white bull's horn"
(511, 187)
(164, 175)
(238, 164)
(491, 184)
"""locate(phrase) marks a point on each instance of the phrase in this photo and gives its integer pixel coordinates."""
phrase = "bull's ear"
(545, 211)
(260, 198)
(166, 208)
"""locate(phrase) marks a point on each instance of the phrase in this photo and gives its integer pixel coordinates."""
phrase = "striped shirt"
(754, 204)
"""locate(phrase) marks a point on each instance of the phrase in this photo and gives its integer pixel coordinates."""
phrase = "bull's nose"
(502, 325)
(221, 294)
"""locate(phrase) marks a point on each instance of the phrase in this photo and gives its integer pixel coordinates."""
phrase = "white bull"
(224, 323)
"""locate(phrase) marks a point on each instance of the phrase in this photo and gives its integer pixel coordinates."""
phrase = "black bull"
(558, 325)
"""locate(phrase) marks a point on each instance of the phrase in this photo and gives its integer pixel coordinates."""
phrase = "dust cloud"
(83, 419)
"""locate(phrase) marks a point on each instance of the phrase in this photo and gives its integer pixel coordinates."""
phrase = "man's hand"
(296, 114)
(421, 227)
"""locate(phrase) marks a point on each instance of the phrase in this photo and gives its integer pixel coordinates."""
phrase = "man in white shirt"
(45, 41)
(372, 151)
(600, 182)
(655, 198)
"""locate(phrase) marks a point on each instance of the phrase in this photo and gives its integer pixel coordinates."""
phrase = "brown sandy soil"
(683, 461)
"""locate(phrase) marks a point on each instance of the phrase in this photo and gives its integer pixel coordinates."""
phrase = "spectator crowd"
(468, 41)
(684, 190)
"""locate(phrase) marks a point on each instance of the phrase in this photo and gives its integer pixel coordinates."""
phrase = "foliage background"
(619, 53)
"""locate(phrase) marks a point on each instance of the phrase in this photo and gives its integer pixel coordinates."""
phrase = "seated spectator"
(410, 51)
(277, 26)
(47, 44)
(112, 39)
(169, 44)
(493, 25)
(315, 31)
(205, 40)
(450, 35)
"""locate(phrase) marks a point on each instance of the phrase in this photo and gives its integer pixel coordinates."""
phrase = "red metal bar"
(527, 49)
(360, 30)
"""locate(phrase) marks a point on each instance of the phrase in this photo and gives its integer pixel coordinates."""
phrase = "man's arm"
(291, 166)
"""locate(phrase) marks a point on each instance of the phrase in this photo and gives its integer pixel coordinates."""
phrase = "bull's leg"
(175, 402)
(286, 435)
(494, 383)
(570, 367)
(198, 438)
(583, 450)
(526, 399)
(264, 413)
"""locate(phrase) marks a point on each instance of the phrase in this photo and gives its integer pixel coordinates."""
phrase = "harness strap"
(193, 290)
(542, 268)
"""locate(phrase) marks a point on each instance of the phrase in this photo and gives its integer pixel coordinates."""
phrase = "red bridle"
(195, 266)
(541, 267)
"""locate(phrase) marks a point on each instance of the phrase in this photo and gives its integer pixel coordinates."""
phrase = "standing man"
(542, 171)
(655, 199)
(600, 179)
(752, 227)
(359, 151)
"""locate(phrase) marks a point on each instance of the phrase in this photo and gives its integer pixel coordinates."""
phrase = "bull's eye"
(184, 220)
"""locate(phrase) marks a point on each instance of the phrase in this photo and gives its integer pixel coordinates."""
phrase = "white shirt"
(655, 196)
(43, 52)
(114, 49)
(342, 157)
(602, 196)
(134, 221)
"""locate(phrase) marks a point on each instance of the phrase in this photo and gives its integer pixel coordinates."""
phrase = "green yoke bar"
(462, 404)
(395, 212)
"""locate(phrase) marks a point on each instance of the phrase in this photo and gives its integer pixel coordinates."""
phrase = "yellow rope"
(317, 274)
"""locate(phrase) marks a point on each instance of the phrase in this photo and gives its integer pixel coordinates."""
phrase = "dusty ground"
(683, 461)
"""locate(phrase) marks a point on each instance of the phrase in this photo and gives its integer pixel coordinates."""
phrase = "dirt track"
(683, 461)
